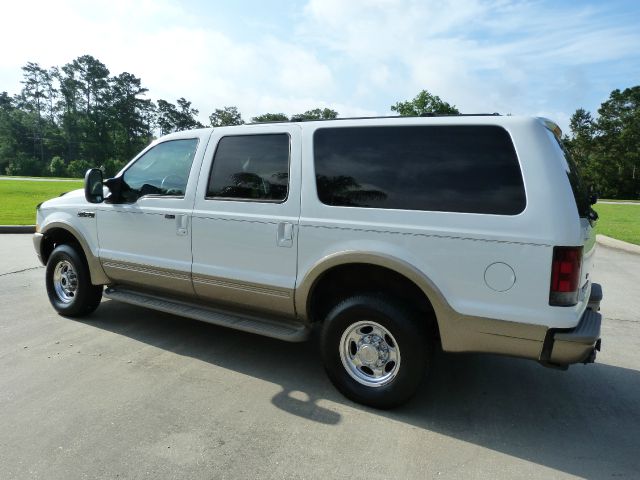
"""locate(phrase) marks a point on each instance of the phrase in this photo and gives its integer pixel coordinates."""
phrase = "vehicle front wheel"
(374, 350)
(69, 285)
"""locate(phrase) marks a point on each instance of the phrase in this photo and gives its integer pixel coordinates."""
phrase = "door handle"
(285, 234)
(182, 225)
(169, 216)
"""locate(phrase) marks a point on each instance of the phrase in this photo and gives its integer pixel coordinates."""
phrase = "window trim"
(249, 200)
(513, 145)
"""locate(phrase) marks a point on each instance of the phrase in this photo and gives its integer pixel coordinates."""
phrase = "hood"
(74, 197)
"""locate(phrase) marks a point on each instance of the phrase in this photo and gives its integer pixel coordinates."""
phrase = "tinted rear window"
(471, 169)
(251, 167)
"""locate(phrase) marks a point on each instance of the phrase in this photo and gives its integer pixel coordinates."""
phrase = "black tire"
(69, 285)
(408, 333)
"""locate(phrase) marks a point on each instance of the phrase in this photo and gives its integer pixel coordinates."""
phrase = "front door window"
(161, 171)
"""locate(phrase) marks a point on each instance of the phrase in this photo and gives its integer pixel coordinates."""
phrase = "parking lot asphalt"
(132, 393)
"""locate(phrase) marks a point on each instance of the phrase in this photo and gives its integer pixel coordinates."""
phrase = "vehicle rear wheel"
(69, 283)
(374, 350)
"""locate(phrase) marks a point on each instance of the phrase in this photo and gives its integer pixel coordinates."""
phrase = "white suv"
(390, 234)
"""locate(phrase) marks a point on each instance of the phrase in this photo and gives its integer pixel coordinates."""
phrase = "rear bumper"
(596, 297)
(562, 347)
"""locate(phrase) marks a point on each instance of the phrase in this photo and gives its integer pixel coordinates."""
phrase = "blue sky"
(358, 57)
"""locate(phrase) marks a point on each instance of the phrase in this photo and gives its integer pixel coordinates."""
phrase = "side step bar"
(282, 330)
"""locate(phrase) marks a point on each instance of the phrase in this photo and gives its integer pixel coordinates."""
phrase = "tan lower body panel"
(218, 291)
(462, 333)
(149, 277)
(235, 293)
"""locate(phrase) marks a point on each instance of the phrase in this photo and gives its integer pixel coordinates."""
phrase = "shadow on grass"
(585, 422)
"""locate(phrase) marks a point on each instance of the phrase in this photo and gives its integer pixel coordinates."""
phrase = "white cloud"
(357, 57)
(507, 56)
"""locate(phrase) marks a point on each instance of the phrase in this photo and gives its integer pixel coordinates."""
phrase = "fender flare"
(98, 276)
(305, 288)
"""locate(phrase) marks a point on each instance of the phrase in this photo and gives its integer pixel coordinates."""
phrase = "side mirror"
(115, 188)
(93, 186)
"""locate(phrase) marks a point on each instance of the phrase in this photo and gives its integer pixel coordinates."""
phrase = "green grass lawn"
(18, 198)
(619, 221)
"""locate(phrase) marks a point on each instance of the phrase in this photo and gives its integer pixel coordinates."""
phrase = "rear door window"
(251, 168)
(469, 169)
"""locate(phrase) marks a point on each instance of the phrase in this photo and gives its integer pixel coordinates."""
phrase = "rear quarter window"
(466, 169)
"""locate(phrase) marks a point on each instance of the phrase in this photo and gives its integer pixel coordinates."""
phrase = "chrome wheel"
(369, 353)
(65, 281)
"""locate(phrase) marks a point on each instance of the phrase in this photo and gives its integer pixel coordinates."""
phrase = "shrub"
(24, 165)
(77, 168)
(57, 168)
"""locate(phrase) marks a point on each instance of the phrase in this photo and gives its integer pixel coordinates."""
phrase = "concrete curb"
(618, 244)
(17, 228)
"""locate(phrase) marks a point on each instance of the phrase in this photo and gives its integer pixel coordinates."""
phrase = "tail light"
(565, 276)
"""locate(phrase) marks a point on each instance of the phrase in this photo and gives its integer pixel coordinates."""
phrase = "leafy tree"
(32, 101)
(617, 138)
(270, 117)
(130, 116)
(315, 114)
(606, 148)
(581, 145)
(76, 111)
(35, 92)
(226, 116)
(424, 104)
(6, 103)
(69, 110)
(170, 118)
(51, 95)
(166, 114)
(16, 134)
(57, 168)
(92, 77)
(84, 103)
(187, 115)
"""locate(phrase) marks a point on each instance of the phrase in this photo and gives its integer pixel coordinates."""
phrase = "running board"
(282, 330)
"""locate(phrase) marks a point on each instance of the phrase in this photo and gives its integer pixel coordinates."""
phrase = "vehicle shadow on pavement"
(585, 421)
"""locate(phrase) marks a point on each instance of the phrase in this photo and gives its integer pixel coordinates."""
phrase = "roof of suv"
(481, 118)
